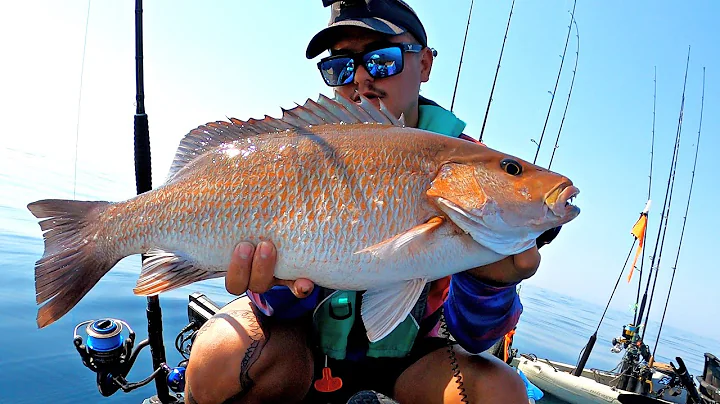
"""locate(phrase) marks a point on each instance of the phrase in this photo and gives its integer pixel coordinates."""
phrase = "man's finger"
(527, 262)
(238, 274)
(301, 287)
(263, 268)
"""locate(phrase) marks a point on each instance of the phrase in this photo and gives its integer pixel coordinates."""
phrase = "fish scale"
(349, 204)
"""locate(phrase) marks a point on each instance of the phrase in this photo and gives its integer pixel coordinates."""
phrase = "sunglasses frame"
(357, 58)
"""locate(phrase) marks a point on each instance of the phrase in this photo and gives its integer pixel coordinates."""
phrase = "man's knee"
(234, 357)
(484, 379)
(490, 378)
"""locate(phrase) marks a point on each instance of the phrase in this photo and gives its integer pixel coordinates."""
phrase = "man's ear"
(426, 62)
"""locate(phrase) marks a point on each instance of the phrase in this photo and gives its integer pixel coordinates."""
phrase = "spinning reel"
(108, 353)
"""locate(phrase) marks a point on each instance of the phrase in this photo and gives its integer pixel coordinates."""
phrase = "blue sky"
(208, 60)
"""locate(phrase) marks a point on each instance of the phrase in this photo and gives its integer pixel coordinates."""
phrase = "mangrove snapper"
(352, 198)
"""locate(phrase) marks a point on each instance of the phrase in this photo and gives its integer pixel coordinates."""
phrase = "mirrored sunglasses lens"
(384, 62)
(338, 72)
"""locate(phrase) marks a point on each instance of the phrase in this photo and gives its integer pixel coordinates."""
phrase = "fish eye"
(511, 167)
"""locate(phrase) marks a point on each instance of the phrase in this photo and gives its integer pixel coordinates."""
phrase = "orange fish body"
(352, 199)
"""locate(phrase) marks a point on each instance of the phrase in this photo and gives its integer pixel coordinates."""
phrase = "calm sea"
(42, 366)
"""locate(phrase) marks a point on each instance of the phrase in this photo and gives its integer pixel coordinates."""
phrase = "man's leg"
(234, 360)
(485, 378)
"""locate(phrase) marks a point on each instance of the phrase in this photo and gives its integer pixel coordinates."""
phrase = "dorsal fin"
(324, 111)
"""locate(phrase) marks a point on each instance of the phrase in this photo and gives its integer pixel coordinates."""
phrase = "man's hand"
(510, 269)
(253, 269)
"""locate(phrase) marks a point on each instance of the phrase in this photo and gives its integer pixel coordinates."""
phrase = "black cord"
(180, 340)
(453, 361)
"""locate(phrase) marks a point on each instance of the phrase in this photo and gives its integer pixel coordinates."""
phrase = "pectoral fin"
(411, 239)
(386, 307)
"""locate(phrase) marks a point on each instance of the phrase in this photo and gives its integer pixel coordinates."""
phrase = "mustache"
(370, 88)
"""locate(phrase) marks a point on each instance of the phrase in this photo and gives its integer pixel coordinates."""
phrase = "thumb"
(301, 288)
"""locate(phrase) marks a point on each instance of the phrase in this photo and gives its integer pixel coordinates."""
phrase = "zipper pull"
(328, 383)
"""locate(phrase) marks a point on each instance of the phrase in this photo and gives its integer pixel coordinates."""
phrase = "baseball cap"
(392, 17)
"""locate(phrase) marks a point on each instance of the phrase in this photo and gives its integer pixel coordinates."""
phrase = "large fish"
(352, 198)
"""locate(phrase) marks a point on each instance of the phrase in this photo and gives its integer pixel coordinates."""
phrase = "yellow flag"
(638, 231)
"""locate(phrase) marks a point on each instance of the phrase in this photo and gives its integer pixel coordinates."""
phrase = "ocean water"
(42, 365)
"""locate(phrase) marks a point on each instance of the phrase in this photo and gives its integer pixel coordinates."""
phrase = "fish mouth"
(559, 200)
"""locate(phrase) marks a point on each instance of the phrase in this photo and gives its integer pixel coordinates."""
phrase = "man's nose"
(362, 75)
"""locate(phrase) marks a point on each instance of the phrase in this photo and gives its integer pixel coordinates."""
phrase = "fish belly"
(444, 253)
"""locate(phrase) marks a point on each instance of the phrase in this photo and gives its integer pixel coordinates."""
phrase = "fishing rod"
(660, 241)
(572, 83)
(687, 208)
(662, 229)
(632, 338)
(143, 173)
(652, 155)
(462, 53)
(630, 331)
(143, 180)
(552, 99)
(497, 70)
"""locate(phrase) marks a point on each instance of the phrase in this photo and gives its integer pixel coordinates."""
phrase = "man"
(287, 341)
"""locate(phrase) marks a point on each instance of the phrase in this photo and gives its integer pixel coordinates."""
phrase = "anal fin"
(163, 271)
(387, 306)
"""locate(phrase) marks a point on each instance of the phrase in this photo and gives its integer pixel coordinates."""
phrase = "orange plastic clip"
(328, 383)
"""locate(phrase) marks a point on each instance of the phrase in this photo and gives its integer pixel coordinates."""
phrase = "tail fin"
(72, 263)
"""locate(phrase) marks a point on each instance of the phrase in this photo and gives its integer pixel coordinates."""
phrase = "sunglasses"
(387, 61)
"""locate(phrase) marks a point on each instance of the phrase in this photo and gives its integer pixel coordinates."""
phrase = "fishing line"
(552, 99)
(572, 83)
(497, 70)
(668, 198)
(687, 208)
(652, 154)
(77, 124)
(462, 53)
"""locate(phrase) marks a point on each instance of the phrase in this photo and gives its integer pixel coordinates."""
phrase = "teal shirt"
(439, 120)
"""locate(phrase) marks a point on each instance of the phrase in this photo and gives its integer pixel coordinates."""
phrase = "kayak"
(593, 386)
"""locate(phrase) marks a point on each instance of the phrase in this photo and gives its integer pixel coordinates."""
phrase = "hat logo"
(351, 3)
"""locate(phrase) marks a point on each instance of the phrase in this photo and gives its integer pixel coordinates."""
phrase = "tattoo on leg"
(189, 399)
(208, 324)
(259, 339)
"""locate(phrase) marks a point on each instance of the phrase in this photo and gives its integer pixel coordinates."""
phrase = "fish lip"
(557, 200)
